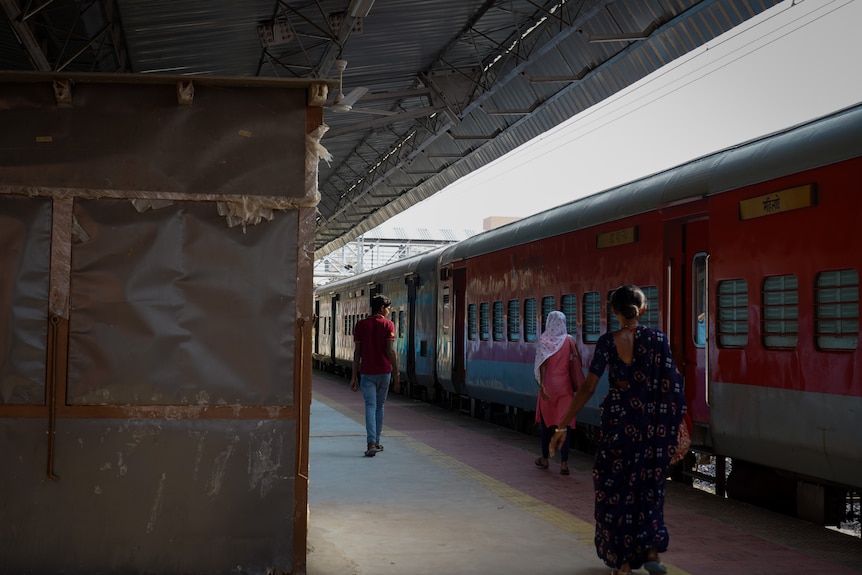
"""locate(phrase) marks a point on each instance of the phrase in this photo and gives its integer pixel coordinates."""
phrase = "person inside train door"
(641, 416)
(374, 362)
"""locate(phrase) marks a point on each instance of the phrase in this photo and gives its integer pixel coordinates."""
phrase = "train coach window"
(400, 324)
(781, 312)
(613, 322)
(530, 325)
(837, 310)
(472, 324)
(732, 308)
(484, 322)
(514, 320)
(549, 304)
(499, 334)
(592, 317)
(569, 306)
(650, 316)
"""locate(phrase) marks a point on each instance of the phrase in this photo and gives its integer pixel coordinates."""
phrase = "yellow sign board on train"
(617, 237)
(777, 202)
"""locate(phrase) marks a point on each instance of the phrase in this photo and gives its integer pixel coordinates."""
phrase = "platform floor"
(452, 494)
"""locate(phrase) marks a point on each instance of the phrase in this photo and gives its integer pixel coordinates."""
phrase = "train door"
(412, 350)
(459, 285)
(689, 325)
(333, 315)
(315, 342)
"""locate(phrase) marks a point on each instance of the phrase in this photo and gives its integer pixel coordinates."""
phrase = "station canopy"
(431, 90)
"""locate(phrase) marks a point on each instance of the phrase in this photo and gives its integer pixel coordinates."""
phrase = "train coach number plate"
(777, 202)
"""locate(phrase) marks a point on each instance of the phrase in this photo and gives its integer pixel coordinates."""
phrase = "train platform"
(452, 494)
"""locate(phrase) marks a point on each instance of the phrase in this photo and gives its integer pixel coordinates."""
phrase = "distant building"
(381, 246)
(384, 245)
(492, 222)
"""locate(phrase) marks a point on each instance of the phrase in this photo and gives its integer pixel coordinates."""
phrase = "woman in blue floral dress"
(641, 416)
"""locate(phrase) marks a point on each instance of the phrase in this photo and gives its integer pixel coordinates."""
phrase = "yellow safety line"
(582, 531)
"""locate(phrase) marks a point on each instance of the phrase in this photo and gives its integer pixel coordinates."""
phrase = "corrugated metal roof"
(463, 81)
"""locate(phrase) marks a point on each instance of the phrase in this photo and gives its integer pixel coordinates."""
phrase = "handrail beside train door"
(707, 323)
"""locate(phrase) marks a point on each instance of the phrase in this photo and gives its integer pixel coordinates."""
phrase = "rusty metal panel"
(139, 138)
(25, 250)
(149, 496)
(155, 277)
(172, 307)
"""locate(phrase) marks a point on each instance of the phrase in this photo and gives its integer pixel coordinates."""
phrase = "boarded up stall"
(156, 241)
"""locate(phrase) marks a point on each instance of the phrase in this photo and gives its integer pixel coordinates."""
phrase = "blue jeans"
(375, 388)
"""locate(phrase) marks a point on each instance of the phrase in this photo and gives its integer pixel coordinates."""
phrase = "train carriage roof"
(419, 265)
(820, 142)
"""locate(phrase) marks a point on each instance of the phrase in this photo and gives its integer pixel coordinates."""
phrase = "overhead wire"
(591, 120)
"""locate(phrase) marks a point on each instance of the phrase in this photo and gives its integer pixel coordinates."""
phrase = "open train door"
(687, 258)
(315, 342)
(459, 345)
(333, 313)
(411, 281)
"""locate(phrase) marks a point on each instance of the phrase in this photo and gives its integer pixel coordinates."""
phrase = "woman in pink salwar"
(556, 355)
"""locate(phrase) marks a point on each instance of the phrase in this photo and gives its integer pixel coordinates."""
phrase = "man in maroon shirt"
(374, 361)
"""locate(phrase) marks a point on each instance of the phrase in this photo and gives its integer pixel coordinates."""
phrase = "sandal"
(653, 565)
(564, 468)
(540, 464)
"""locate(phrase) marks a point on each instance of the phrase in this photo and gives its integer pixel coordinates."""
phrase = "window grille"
(499, 333)
(732, 309)
(514, 320)
(484, 322)
(549, 304)
(650, 316)
(472, 327)
(530, 319)
(613, 324)
(592, 324)
(781, 312)
(836, 319)
(569, 306)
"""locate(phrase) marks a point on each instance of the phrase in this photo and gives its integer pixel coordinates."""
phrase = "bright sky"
(790, 64)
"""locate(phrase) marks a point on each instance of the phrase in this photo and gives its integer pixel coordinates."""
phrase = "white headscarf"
(551, 340)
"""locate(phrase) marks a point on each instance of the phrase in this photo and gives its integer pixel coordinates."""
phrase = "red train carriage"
(749, 260)
(784, 324)
(411, 285)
